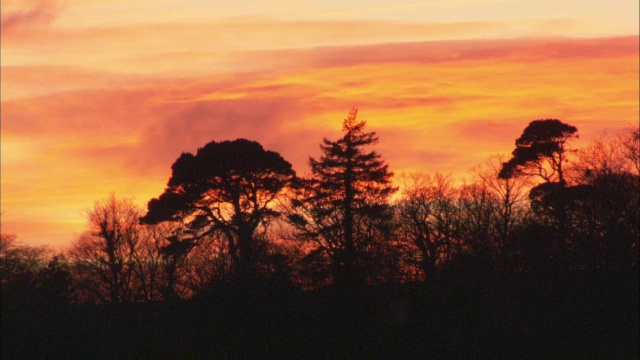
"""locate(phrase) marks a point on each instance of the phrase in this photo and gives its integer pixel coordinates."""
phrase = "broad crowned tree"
(226, 189)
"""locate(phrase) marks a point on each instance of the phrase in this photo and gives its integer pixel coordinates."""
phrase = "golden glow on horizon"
(93, 110)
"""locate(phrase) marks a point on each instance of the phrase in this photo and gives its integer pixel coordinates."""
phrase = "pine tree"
(227, 188)
(342, 208)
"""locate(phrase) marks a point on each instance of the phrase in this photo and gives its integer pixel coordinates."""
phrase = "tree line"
(236, 214)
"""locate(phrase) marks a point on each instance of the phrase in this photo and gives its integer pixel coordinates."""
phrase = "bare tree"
(105, 256)
(148, 271)
(19, 263)
(478, 213)
(428, 218)
(604, 205)
(630, 140)
(609, 154)
(511, 194)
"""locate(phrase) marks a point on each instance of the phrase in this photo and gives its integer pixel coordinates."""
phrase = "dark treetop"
(227, 188)
(542, 140)
(345, 200)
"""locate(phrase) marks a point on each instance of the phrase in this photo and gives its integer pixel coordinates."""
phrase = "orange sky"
(102, 96)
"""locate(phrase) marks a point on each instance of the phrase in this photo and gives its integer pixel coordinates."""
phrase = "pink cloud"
(42, 12)
(437, 106)
(442, 51)
(487, 131)
(168, 116)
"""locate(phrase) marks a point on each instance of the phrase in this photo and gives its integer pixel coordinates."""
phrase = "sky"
(102, 96)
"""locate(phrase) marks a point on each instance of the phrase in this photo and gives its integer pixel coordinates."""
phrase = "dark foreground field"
(576, 316)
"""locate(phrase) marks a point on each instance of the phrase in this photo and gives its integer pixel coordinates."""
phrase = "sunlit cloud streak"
(205, 44)
(40, 12)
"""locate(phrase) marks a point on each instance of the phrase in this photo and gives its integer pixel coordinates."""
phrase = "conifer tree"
(342, 208)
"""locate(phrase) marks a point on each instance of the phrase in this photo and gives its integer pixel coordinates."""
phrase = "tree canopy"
(227, 188)
(416, 277)
(542, 141)
(342, 202)
(106, 252)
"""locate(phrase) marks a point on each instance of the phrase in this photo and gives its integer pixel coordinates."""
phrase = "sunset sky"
(101, 96)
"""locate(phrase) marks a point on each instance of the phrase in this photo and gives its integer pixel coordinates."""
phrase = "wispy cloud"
(221, 36)
(437, 106)
(40, 12)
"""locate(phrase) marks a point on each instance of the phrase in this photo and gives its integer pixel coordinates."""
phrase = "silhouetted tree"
(174, 255)
(207, 262)
(603, 206)
(630, 141)
(104, 257)
(19, 264)
(34, 299)
(55, 280)
(605, 222)
(342, 207)
(541, 152)
(511, 192)
(428, 218)
(617, 153)
(21, 267)
(478, 213)
(154, 277)
(32, 276)
(228, 189)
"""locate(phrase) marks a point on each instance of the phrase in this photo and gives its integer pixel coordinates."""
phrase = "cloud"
(430, 52)
(248, 34)
(488, 131)
(143, 123)
(410, 149)
(437, 106)
(41, 12)
(29, 81)
(192, 125)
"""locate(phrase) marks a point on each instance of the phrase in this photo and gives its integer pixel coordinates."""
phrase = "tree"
(540, 151)
(604, 209)
(478, 211)
(104, 256)
(32, 275)
(226, 188)
(428, 221)
(604, 216)
(55, 280)
(19, 264)
(617, 153)
(511, 207)
(155, 279)
(342, 208)
(630, 141)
